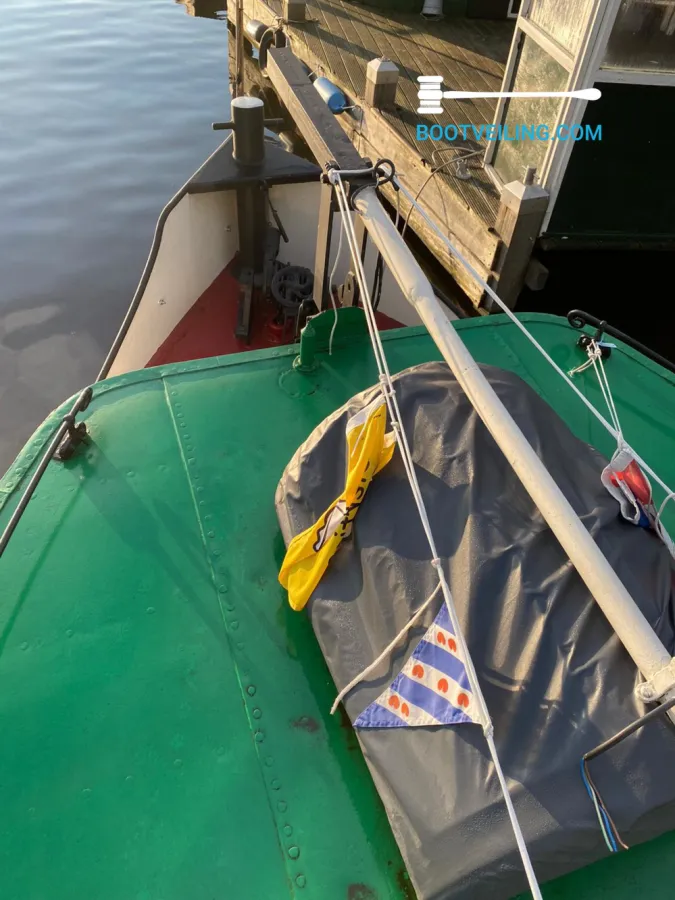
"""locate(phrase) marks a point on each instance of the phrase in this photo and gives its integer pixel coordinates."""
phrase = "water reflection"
(205, 9)
(99, 128)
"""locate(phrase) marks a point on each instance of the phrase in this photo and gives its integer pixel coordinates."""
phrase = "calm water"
(105, 110)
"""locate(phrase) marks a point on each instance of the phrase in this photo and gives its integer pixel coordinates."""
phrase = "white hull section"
(200, 239)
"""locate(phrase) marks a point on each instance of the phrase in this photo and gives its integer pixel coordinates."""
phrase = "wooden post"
(322, 287)
(521, 211)
(238, 84)
(381, 82)
(294, 10)
(315, 122)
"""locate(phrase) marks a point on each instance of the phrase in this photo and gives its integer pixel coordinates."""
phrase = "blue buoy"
(330, 94)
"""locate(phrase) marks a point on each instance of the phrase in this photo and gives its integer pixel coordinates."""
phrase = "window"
(536, 71)
(563, 20)
(643, 37)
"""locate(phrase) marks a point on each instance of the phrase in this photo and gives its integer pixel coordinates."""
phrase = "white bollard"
(381, 82)
(294, 10)
(433, 9)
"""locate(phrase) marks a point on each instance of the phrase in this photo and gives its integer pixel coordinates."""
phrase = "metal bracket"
(349, 292)
(270, 260)
(660, 684)
(74, 433)
(322, 288)
(604, 348)
(243, 328)
(68, 430)
(578, 318)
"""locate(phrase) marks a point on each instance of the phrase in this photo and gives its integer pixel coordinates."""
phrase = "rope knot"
(436, 563)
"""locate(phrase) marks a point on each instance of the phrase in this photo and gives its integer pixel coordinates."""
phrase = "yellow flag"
(369, 449)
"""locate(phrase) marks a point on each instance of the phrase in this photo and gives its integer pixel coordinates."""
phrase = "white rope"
(491, 293)
(582, 368)
(595, 358)
(396, 419)
(385, 653)
(595, 355)
(330, 291)
(395, 416)
(663, 534)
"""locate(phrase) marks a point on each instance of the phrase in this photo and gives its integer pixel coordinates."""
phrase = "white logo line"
(430, 94)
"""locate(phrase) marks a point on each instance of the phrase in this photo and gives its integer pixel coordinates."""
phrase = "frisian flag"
(432, 688)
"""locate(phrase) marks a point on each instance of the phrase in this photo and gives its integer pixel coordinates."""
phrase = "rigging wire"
(500, 303)
(406, 456)
(594, 352)
(332, 296)
(609, 830)
(435, 171)
(385, 653)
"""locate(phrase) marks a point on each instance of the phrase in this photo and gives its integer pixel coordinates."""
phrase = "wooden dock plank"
(326, 47)
(403, 38)
(356, 41)
(393, 42)
(459, 73)
(490, 41)
(375, 42)
(338, 49)
(446, 208)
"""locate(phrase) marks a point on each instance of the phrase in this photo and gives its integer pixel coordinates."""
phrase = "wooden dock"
(338, 40)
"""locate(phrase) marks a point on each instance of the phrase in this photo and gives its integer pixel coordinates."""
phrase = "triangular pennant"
(432, 688)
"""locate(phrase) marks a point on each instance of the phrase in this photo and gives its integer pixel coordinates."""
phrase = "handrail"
(67, 429)
(578, 318)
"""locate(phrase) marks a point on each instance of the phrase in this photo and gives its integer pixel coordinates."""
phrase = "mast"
(634, 631)
(328, 142)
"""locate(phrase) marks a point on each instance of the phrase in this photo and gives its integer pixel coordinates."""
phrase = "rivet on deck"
(220, 572)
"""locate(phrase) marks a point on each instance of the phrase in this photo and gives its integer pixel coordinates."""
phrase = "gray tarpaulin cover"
(555, 677)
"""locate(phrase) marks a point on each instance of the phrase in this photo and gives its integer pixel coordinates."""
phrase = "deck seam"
(266, 775)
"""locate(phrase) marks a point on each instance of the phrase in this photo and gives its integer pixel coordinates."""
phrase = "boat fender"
(254, 31)
(330, 94)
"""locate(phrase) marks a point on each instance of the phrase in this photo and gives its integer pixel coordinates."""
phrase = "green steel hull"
(165, 715)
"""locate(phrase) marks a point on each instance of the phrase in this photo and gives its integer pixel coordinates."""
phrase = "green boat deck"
(165, 726)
